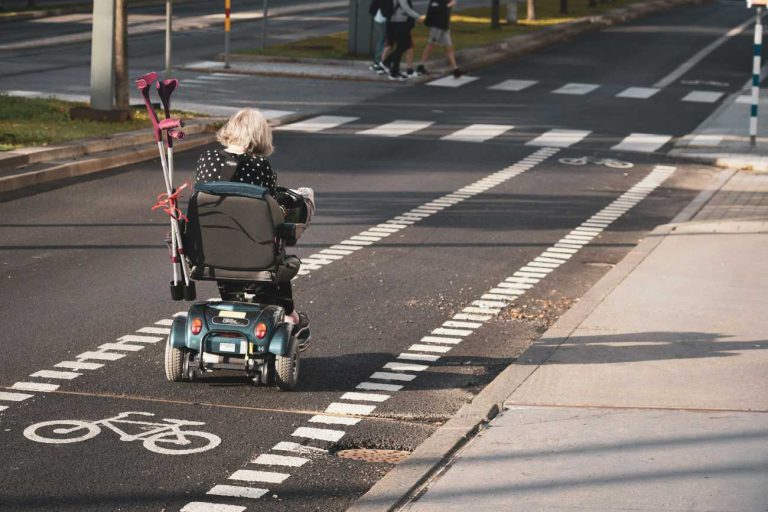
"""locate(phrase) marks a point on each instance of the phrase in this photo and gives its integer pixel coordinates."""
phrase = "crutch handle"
(169, 124)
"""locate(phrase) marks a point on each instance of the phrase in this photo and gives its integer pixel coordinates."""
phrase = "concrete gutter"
(38, 166)
(468, 59)
(411, 477)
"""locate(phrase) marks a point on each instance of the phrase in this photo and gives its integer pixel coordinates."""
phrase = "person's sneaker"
(410, 73)
(457, 73)
(421, 70)
(383, 69)
(399, 77)
(376, 67)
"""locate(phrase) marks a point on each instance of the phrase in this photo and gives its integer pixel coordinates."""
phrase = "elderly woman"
(247, 141)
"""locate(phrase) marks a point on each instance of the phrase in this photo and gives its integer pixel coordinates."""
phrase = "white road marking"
(166, 322)
(642, 93)
(321, 434)
(121, 346)
(14, 397)
(452, 332)
(450, 81)
(707, 140)
(78, 365)
(105, 356)
(397, 128)
(135, 338)
(287, 446)
(203, 506)
(34, 386)
(279, 460)
(249, 475)
(468, 325)
(237, 491)
(479, 318)
(558, 138)
(703, 96)
(429, 348)
(701, 55)
(333, 420)
(317, 124)
(514, 85)
(642, 142)
(155, 330)
(393, 376)
(405, 356)
(52, 374)
(406, 367)
(378, 386)
(478, 132)
(3, 407)
(354, 409)
(365, 397)
(576, 89)
(440, 339)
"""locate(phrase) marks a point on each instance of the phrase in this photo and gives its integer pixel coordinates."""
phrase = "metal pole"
(756, 77)
(227, 10)
(103, 55)
(264, 25)
(168, 30)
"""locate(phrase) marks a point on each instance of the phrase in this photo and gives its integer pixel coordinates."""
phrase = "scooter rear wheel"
(174, 363)
(287, 369)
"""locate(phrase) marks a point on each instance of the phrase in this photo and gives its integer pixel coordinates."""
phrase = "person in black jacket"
(399, 28)
(439, 21)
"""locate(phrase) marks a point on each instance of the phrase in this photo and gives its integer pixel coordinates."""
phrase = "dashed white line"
(478, 132)
(14, 397)
(397, 128)
(267, 477)
(354, 409)
(405, 356)
(105, 356)
(642, 93)
(319, 433)
(155, 330)
(513, 85)
(642, 142)
(450, 81)
(365, 397)
(393, 376)
(121, 346)
(235, 491)
(576, 89)
(279, 460)
(406, 367)
(203, 506)
(559, 138)
(52, 374)
(318, 123)
(378, 386)
(78, 365)
(34, 386)
(333, 420)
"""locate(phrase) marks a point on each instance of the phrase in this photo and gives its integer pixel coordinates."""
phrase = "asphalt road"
(83, 265)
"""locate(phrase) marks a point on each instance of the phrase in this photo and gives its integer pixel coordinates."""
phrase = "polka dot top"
(252, 169)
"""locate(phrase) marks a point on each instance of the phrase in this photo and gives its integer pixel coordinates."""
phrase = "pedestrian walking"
(438, 20)
(399, 29)
(381, 10)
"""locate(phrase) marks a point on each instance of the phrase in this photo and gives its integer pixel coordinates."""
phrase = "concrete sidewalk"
(651, 394)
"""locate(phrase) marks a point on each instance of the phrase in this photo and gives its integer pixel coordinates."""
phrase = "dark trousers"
(400, 38)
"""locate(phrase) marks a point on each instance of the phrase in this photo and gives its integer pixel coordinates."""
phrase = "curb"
(411, 477)
(475, 58)
(135, 148)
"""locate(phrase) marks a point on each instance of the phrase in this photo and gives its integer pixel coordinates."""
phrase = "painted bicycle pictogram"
(166, 438)
(608, 162)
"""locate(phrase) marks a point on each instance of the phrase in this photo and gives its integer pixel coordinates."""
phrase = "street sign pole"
(227, 9)
(103, 55)
(168, 31)
(264, 18)
(756, 65)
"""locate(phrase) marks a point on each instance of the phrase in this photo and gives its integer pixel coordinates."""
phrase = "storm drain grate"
(370, 455)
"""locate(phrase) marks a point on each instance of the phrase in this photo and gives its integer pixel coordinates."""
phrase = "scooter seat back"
(233, 227)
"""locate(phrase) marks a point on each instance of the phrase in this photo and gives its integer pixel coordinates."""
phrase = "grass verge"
(40, 122)
(469, 28)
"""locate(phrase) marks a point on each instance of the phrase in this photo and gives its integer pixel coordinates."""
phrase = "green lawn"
(469, 28)
(39, 122)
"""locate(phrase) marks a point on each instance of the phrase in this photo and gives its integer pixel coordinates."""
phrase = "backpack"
(387, 7)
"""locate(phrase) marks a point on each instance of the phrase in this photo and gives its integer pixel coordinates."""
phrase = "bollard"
(756, 64)
(227, 11)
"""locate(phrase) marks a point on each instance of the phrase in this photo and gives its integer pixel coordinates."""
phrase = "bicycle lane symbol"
(167, 438)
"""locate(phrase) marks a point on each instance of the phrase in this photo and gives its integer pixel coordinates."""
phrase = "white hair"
(248, 129)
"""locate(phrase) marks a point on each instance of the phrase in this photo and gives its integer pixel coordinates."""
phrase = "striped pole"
(758, 48)
(227, 25)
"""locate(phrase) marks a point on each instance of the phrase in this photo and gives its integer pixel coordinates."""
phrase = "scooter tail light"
(260, 330)
(197, 326)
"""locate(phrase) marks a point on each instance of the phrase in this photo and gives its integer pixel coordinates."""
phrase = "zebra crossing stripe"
(450, 81)
(478, 132)
(78, 365)
(333, 420)
(514, 85)
(576, 89)
(559, 138)
(267, 477)
(52, 374)
(14, 397)
(204, 506)
(703, 96)
(320, 434)
(34, 386)
(397, 128)
(642, 142)
(642, 93)
(317, 124)
(279, 460)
